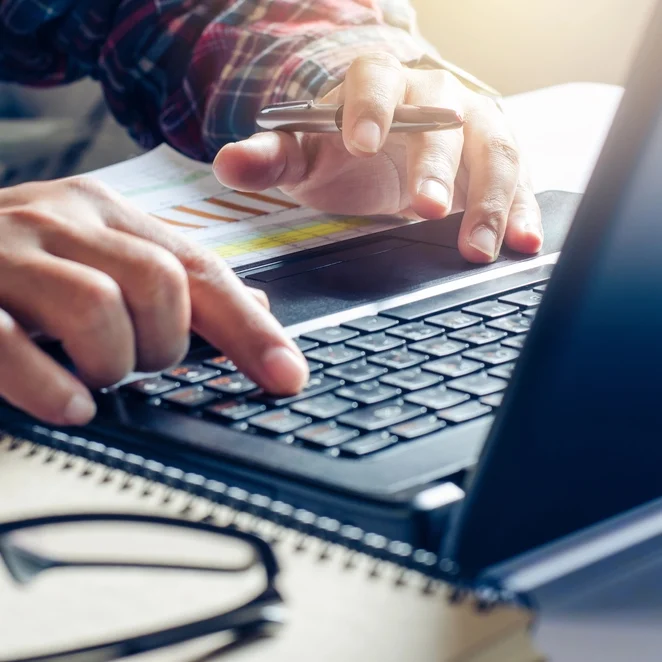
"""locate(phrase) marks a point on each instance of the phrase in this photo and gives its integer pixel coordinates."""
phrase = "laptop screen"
(579, 436)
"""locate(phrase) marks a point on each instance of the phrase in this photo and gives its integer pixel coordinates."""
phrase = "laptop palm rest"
(388, 264)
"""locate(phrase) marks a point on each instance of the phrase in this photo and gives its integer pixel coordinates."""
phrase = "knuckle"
(100, 298)
(165, 274)
(505, 150)
(8, 331)
(86, 185)
(377, 59)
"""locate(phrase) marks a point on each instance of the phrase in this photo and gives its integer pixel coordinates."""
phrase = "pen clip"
(287, 105)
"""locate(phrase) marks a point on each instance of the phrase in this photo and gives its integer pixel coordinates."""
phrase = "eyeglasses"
(130, 547)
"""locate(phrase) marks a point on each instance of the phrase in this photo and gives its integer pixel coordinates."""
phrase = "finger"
(80, 306)
(374, 85)
(433, 158)
(493, 163)
(32, 381)
(261, 297)
(524, 231)
(154, 285)
(264, 160)
(223, 311)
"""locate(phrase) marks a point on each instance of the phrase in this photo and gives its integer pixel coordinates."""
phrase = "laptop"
(448, 403)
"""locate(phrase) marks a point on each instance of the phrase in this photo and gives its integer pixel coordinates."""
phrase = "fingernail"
(284, 370)
(79, 410)
(436, 191)
(367, 136)
(484, 239)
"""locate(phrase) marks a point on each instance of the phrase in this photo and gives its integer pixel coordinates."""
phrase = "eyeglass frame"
(261, 611)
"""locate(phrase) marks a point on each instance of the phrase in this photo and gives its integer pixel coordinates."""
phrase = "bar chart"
(241, 227)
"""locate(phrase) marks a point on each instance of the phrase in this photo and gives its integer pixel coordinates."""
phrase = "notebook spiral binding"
(286, 517)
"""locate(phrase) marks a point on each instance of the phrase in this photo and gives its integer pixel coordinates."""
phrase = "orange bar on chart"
(178, 224)
(269, 199)
(235, 207)
(204, 214)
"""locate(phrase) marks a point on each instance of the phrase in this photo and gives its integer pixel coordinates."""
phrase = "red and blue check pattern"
(194, 73)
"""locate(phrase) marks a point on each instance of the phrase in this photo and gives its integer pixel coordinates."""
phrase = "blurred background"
(514, 45)
(519, 45)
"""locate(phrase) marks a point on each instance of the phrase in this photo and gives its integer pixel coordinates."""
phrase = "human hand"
(121, 291)
(425, 176)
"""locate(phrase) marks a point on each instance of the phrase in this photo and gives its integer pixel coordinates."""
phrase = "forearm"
(195, 72)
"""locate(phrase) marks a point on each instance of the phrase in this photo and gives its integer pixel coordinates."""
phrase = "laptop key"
(368, 393)
(376, 342)
(304, 345)
(334, 354)
(314, 366)
(417, 427)
(437, 397)
(412, 379)
(317, 384)
(491, 309)
(505, 371)
(439, 347)
(324, 406)
(512, 323)
(492, 354)
(190, 398)
(370, 324)
(370, 443)
(454, 320)
(357, 371)
(453, 366)
(152, 386)
(524, 298)
(530, 312)
(381, 415)
(279, 421)
(222, 363)
(190, 374)
(478, 335)
(415, 331)
(234, 383)
(232, 410)
(493, 400)
(479, 384)
(398, 359)
(464, 412)
(516, 342)
(330, 335)
(326, 435)
(540, 288)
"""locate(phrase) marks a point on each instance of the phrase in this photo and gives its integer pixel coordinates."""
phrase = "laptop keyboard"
(375, 381)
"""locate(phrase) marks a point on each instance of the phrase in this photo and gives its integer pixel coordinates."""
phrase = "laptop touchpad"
(342, 285)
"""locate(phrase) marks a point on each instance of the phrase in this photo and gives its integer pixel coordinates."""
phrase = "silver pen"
(310, 117)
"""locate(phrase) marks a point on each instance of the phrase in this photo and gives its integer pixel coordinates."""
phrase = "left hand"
(366, 171)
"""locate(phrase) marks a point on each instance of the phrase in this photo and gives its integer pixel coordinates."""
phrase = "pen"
(310, 117)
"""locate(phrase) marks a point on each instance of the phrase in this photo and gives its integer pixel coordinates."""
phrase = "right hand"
(122, 292)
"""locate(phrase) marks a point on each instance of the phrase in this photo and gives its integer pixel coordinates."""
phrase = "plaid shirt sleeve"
(194, 73)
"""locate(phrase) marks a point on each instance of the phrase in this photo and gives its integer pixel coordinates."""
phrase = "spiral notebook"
(349, 604)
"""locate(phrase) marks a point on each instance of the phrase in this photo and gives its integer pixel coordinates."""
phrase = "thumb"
(262, 161)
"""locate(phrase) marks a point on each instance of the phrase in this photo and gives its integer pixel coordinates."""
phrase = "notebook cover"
(342, 605)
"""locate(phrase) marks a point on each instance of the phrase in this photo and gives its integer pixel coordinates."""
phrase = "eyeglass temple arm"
(24, 565)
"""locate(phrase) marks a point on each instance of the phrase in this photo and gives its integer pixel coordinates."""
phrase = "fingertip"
(285, 370)
(481, 246)
(252, 164)
(524, 233)
(432, 200)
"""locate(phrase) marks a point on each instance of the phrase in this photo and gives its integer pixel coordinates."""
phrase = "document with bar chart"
(241, 227)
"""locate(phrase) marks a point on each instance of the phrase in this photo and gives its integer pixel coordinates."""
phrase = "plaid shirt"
(194, 73)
